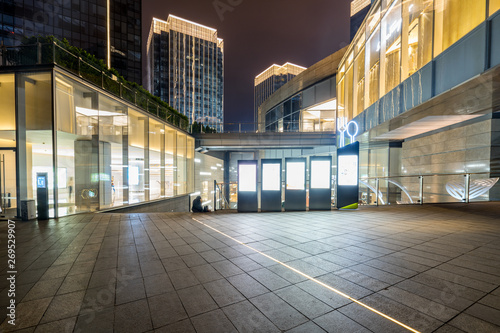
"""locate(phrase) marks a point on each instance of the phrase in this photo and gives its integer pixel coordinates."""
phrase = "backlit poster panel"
(271, 177)
(295, 175)
(247, 178)
(320, 174)
(348, 170)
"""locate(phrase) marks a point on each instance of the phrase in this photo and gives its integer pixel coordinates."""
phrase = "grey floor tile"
(206, 273)
(213, 321)
(247, 318)
(62, 326)
(133, 317)
(337, 322)
(309, 327)
(269, 279)
(226, 268)
(43, 289)
(196, 300)
(279, 312)
(247, 285)
(183, 278)
(74, 283)
(486, 313)
(183, 326)
(157, 285)
(306, 304)
(29, 312)
(63, 306)
(130, 291)
(166, 309)
(223, 292)
(468, 323)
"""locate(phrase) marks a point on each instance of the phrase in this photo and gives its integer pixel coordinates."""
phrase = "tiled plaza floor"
(432, 268)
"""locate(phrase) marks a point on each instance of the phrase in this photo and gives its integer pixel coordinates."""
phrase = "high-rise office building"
(270, 80)
(108, 29)
(359, 9)
(186, 69)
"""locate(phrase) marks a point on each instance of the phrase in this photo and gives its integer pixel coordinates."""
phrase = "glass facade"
(267, 82)
(398, 39)
(186, 64)
(98, 151)
(84, 24)
(311, 110)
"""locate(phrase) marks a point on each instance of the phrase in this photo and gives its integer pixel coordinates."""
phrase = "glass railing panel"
(443, 188)
(482, 187)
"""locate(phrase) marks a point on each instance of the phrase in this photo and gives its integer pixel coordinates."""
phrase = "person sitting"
(197, 207)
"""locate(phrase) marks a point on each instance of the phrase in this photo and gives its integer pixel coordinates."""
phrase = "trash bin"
(28, 210)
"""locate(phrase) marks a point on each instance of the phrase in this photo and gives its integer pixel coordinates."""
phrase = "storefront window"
(454, 19)
(372, 73)
(494, 6)
(138, 157)
(77, 147)
(170, 161)
(181, 164)
(34, 93)
(391, 48)
(8, 199)
(156, 148)
(112, 128)
(417, 35)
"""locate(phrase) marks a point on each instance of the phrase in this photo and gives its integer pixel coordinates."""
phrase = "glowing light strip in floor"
(313, 279)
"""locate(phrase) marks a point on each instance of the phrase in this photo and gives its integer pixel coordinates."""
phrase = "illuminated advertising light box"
(247, 178)
(347, 193)
(348, 170)
(271, 177)
(320, 174)
(295, 175)
(247, 186)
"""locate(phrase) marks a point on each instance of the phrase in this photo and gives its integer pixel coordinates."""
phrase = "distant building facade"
(270, 80)
(359, 9)
(186, 69)
(108, 29)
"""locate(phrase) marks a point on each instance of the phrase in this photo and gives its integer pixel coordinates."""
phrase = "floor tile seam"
(496, 277)
(345, 315)
(407, 306)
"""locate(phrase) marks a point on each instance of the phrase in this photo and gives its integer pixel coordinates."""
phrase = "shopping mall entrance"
(8, 189)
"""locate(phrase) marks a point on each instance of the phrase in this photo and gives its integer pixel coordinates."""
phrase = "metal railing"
(225, 195)
(52, 53)
(220, 200)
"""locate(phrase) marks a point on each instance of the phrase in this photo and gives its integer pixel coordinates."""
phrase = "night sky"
(258, 33)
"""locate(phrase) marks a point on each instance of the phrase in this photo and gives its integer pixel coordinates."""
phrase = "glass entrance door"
(8, 188)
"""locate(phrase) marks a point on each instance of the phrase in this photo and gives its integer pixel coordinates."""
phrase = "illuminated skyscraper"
(186, 69)
(108, 29)
(270, 80)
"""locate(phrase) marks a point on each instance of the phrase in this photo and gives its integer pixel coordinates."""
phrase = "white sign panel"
(320, 174)
(271, 177)
(295, 175)
(133, 175)
(348, 170)
(247, 175)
